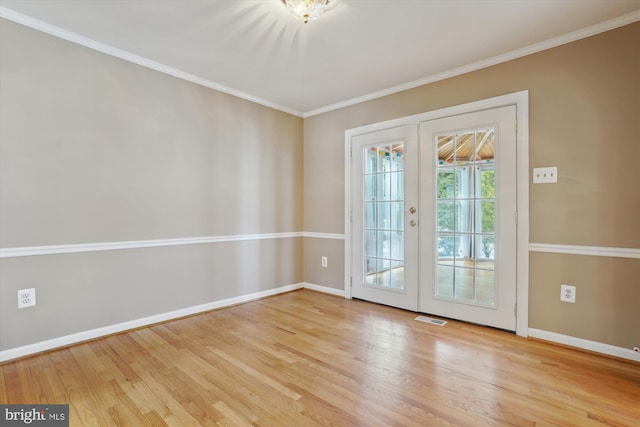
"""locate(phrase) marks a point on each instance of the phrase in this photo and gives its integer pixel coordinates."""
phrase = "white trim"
(586, 250)
(509, 56)
(14, 353)
(583, 344)
(323, 235)
(522, 214)
(139, 60)
(521, 101)
(324, 289)
(348, 213)
(136, 244)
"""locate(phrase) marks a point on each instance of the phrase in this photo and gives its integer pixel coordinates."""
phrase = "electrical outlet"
(568, 293)
(324, 261)
(545, 175)
(26, 297)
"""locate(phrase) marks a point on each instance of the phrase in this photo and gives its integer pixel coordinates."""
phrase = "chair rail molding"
(137, 244)
(585, 250)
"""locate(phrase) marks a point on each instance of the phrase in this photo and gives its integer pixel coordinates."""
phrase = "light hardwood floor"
(306, 358)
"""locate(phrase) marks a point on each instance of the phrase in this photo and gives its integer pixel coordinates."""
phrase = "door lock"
(412, 210)
(412, 223)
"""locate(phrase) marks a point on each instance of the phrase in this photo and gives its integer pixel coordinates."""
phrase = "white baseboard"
(583, 344)
(67, 340)
(17, 352)
(325, 289)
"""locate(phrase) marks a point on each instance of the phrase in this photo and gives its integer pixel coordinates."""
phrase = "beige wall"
(584, 102)
(94, 149)
(314, 250)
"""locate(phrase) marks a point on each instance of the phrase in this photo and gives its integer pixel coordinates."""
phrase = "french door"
(385, 233)
(433, 217)
(468, 214)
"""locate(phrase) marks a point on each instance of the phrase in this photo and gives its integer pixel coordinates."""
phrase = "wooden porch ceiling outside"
(478, 145)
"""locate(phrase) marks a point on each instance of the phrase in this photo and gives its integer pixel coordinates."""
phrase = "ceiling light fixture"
(307, 10)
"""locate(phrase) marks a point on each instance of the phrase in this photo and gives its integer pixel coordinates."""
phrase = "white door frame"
(521, 101)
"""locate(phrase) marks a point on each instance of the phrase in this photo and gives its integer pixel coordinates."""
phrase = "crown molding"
(509, 56)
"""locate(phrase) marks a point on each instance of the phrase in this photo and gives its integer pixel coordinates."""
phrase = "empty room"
(319, 212)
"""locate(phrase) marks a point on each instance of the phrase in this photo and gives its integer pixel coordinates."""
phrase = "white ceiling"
(359, 50)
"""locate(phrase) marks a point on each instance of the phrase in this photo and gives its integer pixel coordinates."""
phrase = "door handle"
(412, 223)
(412, 210)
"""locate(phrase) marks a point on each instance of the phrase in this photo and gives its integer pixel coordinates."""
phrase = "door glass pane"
(446, 215)
(370, 188)
(484, 279)
(487, 183)
(397, 186)
(383, 214)
(384, 275)
(397, 157)
(462, 250)
(383, 210)
(445, 247)
(383, 244)
(383, 186)
(370, 269)
(486, 211)
(397, 247)
(465, 205)
(369, 216)
(370, 243)
(486, 249)
(397, 216)
(463, 218)
(444, 280)
(446, 184)
(463, 283)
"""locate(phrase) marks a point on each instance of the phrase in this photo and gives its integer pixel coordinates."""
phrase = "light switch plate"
(548, 175)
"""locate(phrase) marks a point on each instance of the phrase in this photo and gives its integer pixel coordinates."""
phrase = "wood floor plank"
(310, 359)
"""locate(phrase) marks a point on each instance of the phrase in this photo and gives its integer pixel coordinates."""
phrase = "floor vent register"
(437, 322)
